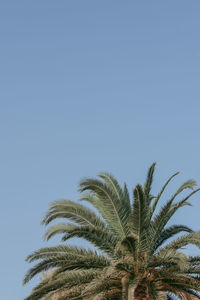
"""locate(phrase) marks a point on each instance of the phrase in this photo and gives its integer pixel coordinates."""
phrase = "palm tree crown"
(133, 257)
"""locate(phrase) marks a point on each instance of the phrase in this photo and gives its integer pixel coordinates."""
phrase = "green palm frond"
(167, 211)
(104, 283)
(113, 212)
(179, 286)
(140, 219)
(169, 260)
(149, 180)
(161, 192)
(168, 233)
(192, 238)
(60, 228)
(140, 215)
(66, 252)
(64, 282)
(74, 212)
(121, 193)
(189, 184)
(103, 240)
(67, 256)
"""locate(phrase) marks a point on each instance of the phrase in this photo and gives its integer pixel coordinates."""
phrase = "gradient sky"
(90, 86)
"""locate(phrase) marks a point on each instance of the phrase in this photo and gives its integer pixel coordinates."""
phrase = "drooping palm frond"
(70, 283)
(192, 238)
(161, 192)
(113, 211)
(64, 256)
(74, 212)
(121, 193)
(167, 211)
(168, 233)
(103, 240)
(89, 225)
(140, 256)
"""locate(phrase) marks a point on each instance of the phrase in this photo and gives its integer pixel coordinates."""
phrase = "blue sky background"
(90, 86)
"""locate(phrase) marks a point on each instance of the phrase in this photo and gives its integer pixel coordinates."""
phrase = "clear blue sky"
(89, 86)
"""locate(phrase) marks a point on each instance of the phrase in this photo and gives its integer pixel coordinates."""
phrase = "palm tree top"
(137, 256)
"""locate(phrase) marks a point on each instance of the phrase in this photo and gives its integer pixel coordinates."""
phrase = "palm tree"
(134, 256)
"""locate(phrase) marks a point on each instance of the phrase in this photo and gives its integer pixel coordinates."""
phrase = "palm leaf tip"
(189, 184)
(149, 179)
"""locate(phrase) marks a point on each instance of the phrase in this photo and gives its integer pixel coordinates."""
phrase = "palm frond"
(140, 211)
(168, 233)
(149, 180)
(161, 192)
(169, 260)
(192, 238)
(103, 240)
(74, 212)
(121, 193)
(113, 212)
(67, 256)
(167, 211)
(64, 282)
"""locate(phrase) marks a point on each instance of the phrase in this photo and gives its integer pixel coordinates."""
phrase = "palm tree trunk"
(131, 292)
(128, 289)
(124, 288)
